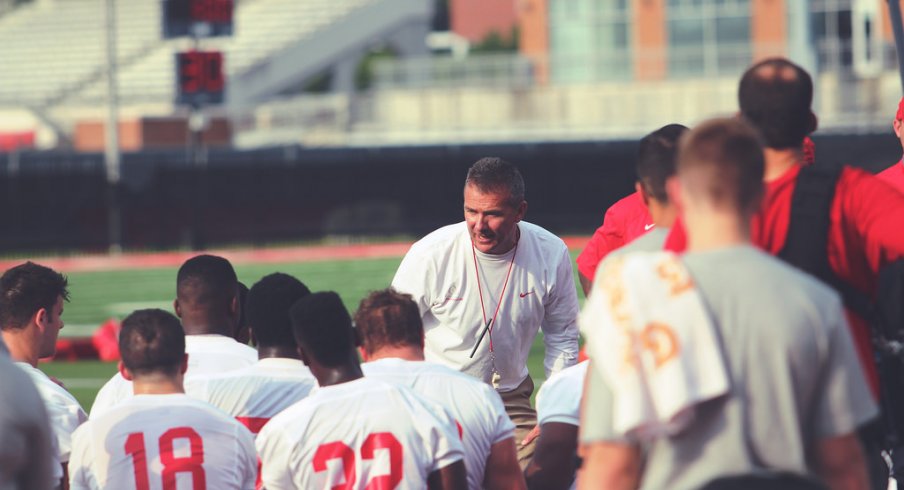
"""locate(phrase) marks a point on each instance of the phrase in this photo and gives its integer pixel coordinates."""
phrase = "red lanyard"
(491, 323)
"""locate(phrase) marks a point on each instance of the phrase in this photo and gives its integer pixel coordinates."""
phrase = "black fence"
(58, 202)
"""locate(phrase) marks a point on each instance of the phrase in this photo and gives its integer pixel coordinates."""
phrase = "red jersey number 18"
(171, 465)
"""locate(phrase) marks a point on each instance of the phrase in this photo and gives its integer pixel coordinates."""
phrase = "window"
(708, 37)
(590, 40)
(831, 24)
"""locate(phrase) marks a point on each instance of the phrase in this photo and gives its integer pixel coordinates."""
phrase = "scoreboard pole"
(112, 160)
(199, 163)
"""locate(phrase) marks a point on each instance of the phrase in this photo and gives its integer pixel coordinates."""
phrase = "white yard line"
(84, 383)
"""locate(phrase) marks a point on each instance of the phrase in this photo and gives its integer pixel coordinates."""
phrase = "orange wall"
(768, 28)
(146, 133)
(533, 21)
(475, 19)
(887, 33)
(650, 39)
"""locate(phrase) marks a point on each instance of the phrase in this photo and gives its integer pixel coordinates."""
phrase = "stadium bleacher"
(52, 52)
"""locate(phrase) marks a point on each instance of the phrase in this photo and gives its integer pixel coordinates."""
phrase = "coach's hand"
(533, 434)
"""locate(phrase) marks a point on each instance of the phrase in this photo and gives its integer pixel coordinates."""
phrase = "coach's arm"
(560, 329)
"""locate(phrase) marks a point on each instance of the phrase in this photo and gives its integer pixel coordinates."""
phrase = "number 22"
(375, 441)
(171, 465)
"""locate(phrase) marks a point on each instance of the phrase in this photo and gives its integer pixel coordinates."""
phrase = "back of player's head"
(775, 97)
(493, 174)
(721, 162)
(656, 159)
(206, 281)
(152, 342)
(267, 308)
(388, 318)
(323, 329)
(27, 288)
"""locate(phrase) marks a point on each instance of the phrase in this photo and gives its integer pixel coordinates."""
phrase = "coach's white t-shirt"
(255, 394)
(207, 355)
(438, 272)
(63, 409)
(149, 440)
(355, 433)
(474, 405)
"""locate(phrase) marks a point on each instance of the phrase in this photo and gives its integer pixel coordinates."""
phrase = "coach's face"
(492, 219)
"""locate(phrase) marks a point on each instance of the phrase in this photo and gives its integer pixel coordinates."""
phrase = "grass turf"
(97, 296)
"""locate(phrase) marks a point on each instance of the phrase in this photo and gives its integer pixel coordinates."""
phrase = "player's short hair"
(206, 280)
(152, 341)
(656, 157)
(268, 304)
(775, 97)
(493, 174)
(27, 288)
(323, 328)
(388, 318)
(721, 161)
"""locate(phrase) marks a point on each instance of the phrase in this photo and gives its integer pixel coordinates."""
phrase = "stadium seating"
(52, 52)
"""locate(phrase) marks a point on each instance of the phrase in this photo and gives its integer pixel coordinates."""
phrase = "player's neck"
(716, 230)
(22, 348)
(407, 353)
(336, 376)
(778, 162)
(207, 325)
(157, 384)
(277, 351)
(663, 214)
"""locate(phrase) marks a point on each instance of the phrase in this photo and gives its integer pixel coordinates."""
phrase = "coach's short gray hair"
(491, 174)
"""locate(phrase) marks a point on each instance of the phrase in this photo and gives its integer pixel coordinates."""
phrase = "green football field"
(97, 296)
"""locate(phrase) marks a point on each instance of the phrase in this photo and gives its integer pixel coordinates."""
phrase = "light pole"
(111, 146)
(894, 13)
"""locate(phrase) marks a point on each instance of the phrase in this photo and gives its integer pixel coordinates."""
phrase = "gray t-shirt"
(27, 456)
(795, 377)
(651, 241)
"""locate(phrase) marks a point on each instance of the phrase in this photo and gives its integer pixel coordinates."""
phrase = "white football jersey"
(65, 412)
(255, 394)
(162, 442)
(207, 355)
(475, 405)
(559, 399)
(363, 432)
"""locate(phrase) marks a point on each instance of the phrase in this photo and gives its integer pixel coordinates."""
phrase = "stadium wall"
(58, 202)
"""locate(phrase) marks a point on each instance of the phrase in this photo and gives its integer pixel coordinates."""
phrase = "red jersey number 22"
(171, 465)
(379, 440)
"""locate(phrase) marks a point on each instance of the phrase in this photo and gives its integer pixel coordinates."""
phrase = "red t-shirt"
(625, 220)
(866, 231)
(894, 175)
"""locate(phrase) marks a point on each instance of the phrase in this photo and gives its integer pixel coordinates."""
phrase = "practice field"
(97, 296)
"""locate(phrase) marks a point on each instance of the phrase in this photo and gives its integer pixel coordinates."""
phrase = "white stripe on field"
(84, 383)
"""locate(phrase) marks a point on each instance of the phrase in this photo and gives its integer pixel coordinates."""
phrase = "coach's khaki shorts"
(517, 406)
